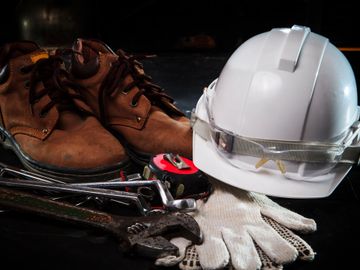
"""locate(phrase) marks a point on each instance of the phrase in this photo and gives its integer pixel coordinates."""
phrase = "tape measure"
(181, 176)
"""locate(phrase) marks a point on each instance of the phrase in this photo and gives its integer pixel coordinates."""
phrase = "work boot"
(47, 124)
(140, 113)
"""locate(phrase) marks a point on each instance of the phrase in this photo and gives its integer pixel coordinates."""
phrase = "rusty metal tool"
(145, 235)
(134, 198)
(167, 199)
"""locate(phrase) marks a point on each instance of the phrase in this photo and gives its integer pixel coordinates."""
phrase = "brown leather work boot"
(46, 123)
(142, 116)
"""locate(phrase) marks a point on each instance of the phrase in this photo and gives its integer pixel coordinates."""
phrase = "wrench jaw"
(189, 228)
(149, 235)
(176, 224)
(146, 235)
(155, 247)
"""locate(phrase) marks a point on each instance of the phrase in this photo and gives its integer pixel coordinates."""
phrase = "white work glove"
(243, 230)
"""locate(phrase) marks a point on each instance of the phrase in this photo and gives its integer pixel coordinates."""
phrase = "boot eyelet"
(45, 130)
(132, 104)
(138, 118)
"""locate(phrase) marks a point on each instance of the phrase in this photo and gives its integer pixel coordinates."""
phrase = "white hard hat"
(282, 118)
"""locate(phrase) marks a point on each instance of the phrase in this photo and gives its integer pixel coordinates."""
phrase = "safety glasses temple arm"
(200, 126)
(351, 155)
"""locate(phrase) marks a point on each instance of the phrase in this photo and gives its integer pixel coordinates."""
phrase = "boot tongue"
(69, 115)
(86, 57)
(91, 47)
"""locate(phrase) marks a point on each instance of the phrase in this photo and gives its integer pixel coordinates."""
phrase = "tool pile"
(99, 204)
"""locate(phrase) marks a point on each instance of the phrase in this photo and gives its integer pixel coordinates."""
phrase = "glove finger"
(306, 253)
(266, 262)
(191, 260)
(276, 248)
(242, 250)
(172, 260)
(213, 253)
(289, 218)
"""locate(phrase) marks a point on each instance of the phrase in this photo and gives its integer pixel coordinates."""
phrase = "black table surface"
(28, 241)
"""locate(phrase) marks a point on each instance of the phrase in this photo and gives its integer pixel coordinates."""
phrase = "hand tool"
(179, 174)
(167, 199)
(143, 235)
(135, 198)
(20, 173)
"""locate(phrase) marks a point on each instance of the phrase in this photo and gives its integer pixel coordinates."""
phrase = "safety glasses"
(299, 157)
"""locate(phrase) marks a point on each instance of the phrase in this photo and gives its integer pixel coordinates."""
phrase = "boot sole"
(64, 174)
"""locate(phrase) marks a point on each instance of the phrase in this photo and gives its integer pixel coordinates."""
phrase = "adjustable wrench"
(143, 235)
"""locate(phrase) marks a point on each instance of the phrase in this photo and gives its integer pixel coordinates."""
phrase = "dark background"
(163, 26)
(193, 39)
(159, 25)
